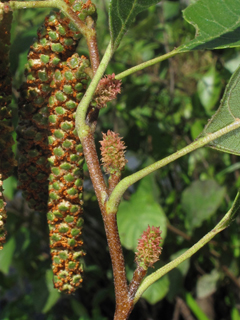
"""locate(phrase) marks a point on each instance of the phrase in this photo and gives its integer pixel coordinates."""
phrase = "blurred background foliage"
(161, 109)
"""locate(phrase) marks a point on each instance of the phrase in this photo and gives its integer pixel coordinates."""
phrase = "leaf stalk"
(223, 224)
(115, 197)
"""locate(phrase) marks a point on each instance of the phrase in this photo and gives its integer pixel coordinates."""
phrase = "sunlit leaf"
(6, 255)
(226, 114)
(207, 284)
(192, 303)
(235, 315)
(217, 24)
(209, 89)
(10, 186)
(121, 15)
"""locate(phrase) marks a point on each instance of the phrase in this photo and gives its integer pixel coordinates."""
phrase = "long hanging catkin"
(51, 157)
(56, 42)
(66, 179)
(6, 140)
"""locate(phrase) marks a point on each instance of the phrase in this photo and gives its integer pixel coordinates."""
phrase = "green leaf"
(209, 89)
(232, 64)
(6, 255)
(9, 186)
(207, 284)
(235, 315)
(201, 200)
(170, 9)
(53, 294)
(226, 114)
(195, 308)
(121, 15)
(157, 291)
(217, 24)
(79, 309)
(142, 210)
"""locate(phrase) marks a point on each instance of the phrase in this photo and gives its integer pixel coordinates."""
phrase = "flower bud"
(113, 150)
(148, 249)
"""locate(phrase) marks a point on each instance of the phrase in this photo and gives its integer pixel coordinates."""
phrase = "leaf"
(6, 255)
(207, 284)
(142, 210)
(235, 315)
(195, 308)
(201, 200)
(122, 14)
(226, 114)
(217, 24)
(79, 309)
(209, 89)
(157, 291)
(232, 64)
(9, 186)
(170, 9)
(53, 294)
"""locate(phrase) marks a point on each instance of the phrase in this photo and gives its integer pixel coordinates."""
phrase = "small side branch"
(223, 224)
(118, 192)
(146, 64)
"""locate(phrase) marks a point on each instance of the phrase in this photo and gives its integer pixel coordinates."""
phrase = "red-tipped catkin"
(148, 249)
(113, 150)
(107, 90)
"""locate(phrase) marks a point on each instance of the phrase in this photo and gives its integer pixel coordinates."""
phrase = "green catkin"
(6, 140)
(57, 41)
(45, 56)
(51, 155)
(66, 178)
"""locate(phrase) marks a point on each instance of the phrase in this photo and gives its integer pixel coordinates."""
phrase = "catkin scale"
(50, 153)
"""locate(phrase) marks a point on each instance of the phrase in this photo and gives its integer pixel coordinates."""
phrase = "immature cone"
(107, 90)
(112, 151)
(148, 249)
(6, 140)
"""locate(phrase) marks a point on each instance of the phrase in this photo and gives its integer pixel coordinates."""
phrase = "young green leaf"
(121, 15)
(226, 114)
(217, 24)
